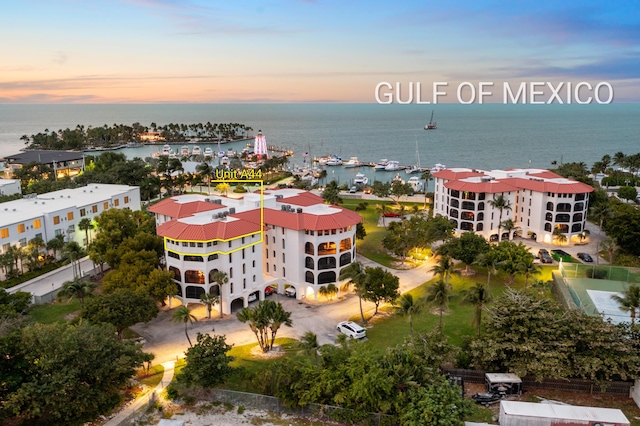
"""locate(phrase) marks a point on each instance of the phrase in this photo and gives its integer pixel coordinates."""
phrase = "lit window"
(4, 232)
(56, 220)
(21, 228)
(116, 202)
(105, 205)
(70, 216)
(94, 209)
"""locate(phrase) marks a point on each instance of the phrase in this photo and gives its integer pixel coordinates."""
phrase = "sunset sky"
(146, 51)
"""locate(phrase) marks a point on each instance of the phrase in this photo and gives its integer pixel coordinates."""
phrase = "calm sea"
(486, 136)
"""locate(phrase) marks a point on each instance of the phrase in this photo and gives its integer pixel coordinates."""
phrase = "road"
(167, 340)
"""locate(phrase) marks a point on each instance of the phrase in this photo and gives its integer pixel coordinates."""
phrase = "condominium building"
(539, 202)
(284, 238)
(10, 187)
(58, 213)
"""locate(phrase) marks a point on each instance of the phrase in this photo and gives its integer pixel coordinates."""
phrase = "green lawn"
(152, 378)
(54, 312)
(371, 246)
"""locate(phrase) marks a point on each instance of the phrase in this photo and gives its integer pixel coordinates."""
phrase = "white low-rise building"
(539, 202)
(285, 238)
(10, 187)
(58, 213)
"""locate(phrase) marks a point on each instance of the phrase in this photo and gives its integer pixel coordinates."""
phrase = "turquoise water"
(485, 136)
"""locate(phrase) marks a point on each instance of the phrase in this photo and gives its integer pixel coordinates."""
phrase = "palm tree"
(444, 268)
(489, 261)
(209, 300)
(629, 301)
(408, 307)
(309, 344)
(439, 294)
(528, 268)
(328, 290)
(357, 276)
(77, 288)
(508, 225)
(559, 236)
(220, 278)
(426, 177)
(85, 225)
(382, 209)
(601, 212)
(55, 244)
(610, 246)
(478, 295)
(74, 252)
(182, 314)
(501, 203)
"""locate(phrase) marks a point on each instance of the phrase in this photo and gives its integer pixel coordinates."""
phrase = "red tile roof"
(572, 187)
(303, 199)
(449, 174)
(170, 207)
(297, 221)
(216, 230)
(490, 187)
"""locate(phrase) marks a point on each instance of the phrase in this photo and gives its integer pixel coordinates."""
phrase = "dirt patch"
(71, 316)
(276, 352)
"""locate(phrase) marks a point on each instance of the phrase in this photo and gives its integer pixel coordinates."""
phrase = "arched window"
(308, 277)
(194, 277)
(176, 273)
(577, 217)
(326, 277)
(466, 216)
(578, 207)
(211, 273)
(455, 193)
(550, 206)
(481, 196)
(454, 223)
(580, 197)
(563, 228)
(563, 207)
(562, 218)
(481, 205)
(345, 259)
(309, 263)
(193, 292)
(455, 203)
(479, 227)
(576, 227)
(308, 248)
(466, 226)
(453, 213)
(328, 262)
(480, 217)
(327, 248)
(173, 254)
(179, 288)
(345, 244)
(215, 290)
(548, 216)
(212, 257)
(547, 227)
(191, 258)
(468, 205)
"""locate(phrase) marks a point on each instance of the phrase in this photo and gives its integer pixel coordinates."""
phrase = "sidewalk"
(147, 399)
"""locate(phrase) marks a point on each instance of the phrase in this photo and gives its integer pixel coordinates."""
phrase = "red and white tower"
(260, 146)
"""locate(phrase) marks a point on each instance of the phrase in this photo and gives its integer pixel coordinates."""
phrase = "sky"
(180, 51)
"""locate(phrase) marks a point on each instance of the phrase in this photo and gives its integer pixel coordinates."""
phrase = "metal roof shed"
(505, 383)
(513, 413)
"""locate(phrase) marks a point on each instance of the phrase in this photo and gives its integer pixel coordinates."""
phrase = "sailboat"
(416, 168)
(431, 125)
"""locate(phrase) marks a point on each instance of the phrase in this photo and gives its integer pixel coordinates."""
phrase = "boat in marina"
(438, 168)
(415, 168)
(431, 125)
(196, 150)
(310, 178)
(360, 179)
(208, 152)
(334, 161)
(380, 165)
(184, 151)
(397, 178)
(415, 183)
(353, 162)
(166, 152)
(392, 166)
(224, 161)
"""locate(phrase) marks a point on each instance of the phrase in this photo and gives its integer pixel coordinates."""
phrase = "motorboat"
(353, 162)
(208, 152)
(360, 179)
(196, 150)
(438, 168)
(397, 178)
(334, 161)
(392, 166)
(322, 161)
(184, 151)
(415, 183)
(381, 165)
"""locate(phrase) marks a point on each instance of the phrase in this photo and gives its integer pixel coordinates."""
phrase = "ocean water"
(488, 136)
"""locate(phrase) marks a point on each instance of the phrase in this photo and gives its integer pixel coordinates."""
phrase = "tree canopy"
(207, 362)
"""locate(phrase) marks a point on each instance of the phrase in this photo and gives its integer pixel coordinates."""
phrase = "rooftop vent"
(232, 210)
(279, 196)
(218, 201)
(284, 208)
(299, 210)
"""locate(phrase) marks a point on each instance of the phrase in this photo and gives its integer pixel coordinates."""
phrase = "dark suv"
(544, 256)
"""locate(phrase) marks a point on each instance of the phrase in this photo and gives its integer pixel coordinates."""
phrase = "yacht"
(334, 161)
(438, 168)
(415, 183)
(392, 166)
(184, 151)
(353, 162)
(208, 152)
(380, 165)
(360, 179)
(196, 150)
(397, 178)
(166, 152)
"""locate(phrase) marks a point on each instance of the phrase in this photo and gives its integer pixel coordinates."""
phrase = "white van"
(290, 291)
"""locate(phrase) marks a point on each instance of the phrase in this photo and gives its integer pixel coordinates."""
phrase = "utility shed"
(513, 413)
(504, 383)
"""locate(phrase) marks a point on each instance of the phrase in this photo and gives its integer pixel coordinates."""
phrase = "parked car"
(252, 297)
(290, 291)
(268, 291)
(544, 256)
(585, 257)
(353, 190)
(352, 330)
(392, 214)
